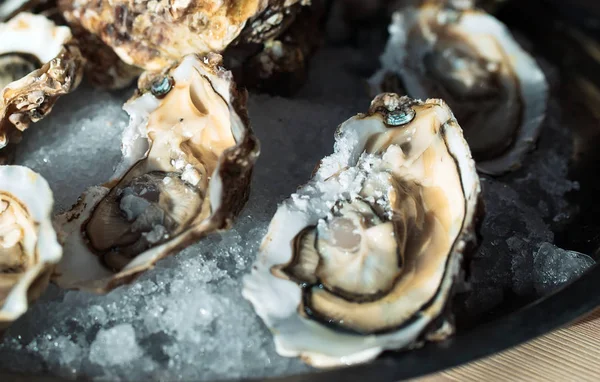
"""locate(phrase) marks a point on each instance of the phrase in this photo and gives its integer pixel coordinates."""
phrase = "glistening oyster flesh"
(28, 245)
(469, 59)
(39, 62)
(364, 257)
(188, 158)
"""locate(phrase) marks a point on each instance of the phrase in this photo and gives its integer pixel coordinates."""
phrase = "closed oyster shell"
(103, 68)
(155, 34)
(29, 248)
(188, 155)
(364, 257)
(276, 61)
(39, 62)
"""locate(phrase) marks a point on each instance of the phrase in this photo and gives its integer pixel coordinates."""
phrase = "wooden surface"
(568, 354)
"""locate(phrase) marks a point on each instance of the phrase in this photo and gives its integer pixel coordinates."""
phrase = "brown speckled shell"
(103, 68)
(58, 77)
(155, 34)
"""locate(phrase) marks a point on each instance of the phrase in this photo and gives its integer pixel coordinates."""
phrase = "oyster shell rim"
(65, 69)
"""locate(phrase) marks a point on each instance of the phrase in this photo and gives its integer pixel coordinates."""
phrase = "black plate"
(553, 40)
(534, 320)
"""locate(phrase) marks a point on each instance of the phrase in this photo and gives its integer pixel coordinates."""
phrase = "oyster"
(188, 158)
(103, 68)
(278, 63)
(154, 34)
(364, 257)
(28, 245)
(39, 62)
(468, 58)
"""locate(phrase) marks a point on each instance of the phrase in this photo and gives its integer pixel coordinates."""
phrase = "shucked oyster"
(38, 63)
(188, 157)
(468, 58)
(363, 257)
(154, 34)
(28, 245)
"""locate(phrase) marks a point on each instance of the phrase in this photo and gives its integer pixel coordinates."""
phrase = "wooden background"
(567, 354)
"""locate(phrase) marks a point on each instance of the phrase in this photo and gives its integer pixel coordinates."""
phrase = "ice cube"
(115, 346)
(554, 267)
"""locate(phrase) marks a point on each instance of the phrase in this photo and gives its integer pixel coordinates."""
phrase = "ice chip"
(115, 346)
(555, 267)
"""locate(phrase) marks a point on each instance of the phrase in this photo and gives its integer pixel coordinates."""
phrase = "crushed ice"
(178, 321)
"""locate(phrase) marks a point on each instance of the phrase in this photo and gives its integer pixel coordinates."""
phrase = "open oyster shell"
(363, 257)
(188, 158)
(39, 62)
(154, 34)
(28, 245)
(470, 59)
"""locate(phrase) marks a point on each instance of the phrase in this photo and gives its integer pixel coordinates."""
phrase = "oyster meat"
(29, 248)
(364, 257)
(188, 157)
(470, 59)
(39, 62)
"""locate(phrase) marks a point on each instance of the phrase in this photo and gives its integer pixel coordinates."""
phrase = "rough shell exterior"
(103, 67)
(154, 34)
(32, 97)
